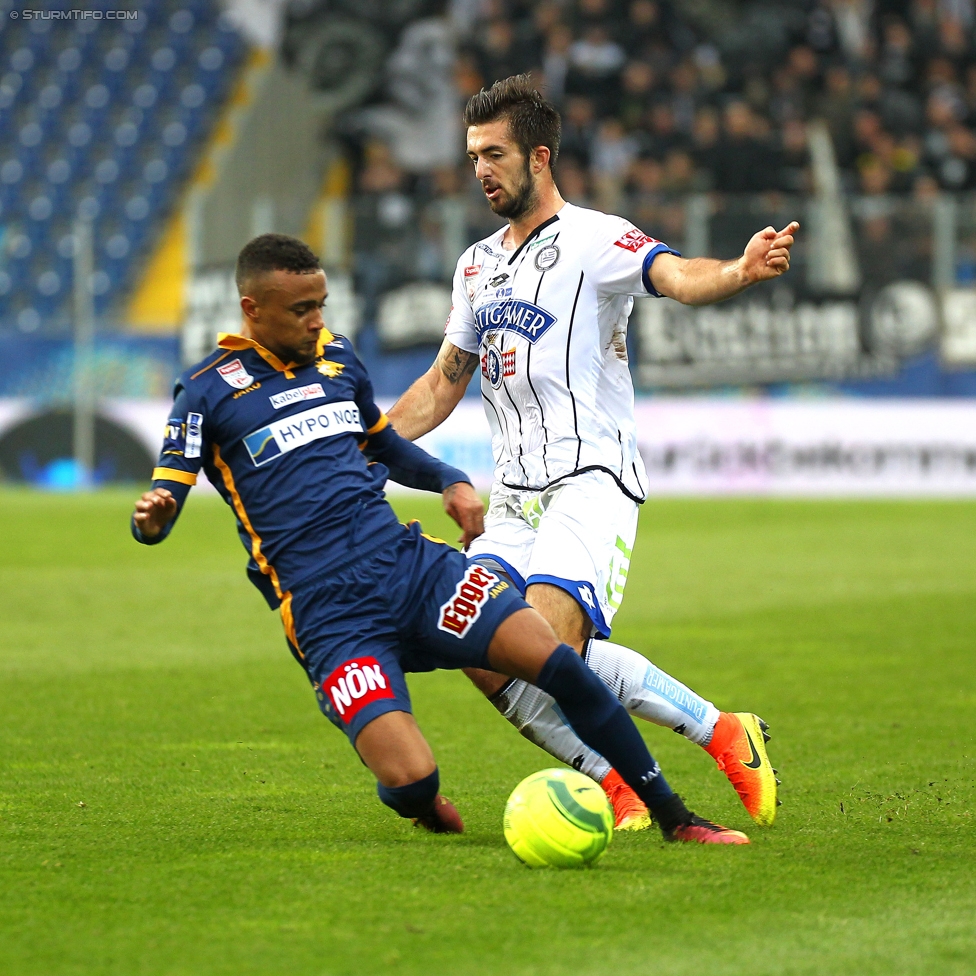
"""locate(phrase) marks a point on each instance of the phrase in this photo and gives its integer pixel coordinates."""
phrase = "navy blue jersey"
(301, 453)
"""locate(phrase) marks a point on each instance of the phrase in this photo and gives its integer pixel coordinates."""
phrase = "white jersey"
(549, 321)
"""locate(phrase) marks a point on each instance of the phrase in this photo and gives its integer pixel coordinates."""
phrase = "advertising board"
(714, 446)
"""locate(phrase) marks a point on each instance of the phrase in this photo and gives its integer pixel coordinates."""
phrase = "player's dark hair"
(274, 252)
(531, 119)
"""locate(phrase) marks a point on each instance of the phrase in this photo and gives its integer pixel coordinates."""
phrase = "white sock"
(646, 691)
(537, 717)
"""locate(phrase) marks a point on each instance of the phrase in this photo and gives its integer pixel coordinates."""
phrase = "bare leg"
(397, 754)
(564, 615)
(394, 749)
(522, 645)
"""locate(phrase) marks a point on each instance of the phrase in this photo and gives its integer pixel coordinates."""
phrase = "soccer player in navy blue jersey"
(282, 420)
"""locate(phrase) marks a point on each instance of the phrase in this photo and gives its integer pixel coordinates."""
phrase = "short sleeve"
(461, 328)
(181, 456)
(620, 262)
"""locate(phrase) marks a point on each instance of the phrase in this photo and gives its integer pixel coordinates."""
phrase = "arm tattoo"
(457, 364)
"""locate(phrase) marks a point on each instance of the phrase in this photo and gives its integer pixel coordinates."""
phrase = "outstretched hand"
(154, 511)
(462, 503)
(767, 255)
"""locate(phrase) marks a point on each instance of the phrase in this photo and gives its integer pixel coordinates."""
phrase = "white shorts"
(577, 535)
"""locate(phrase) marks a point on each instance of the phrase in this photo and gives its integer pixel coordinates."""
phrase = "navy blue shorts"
(414, 605)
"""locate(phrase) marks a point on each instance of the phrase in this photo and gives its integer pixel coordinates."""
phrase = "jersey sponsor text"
(313, 391)
(285, 435)
(461, 611)
(356, 684)
(524, 318)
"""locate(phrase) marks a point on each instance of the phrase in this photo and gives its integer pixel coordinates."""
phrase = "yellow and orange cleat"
(698, 830)
(629, 812)
(738, 746)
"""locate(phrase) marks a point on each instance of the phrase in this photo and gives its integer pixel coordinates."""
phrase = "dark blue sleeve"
(179, 461)
(409, 465)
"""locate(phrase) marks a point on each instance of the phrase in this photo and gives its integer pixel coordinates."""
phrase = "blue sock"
(414, 799)
(602, 723)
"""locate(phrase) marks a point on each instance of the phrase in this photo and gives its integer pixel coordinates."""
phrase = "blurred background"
(142, 145)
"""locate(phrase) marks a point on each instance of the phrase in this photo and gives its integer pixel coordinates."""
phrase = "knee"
(411, 799)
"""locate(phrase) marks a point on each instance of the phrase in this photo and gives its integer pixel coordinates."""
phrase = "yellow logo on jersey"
(248, 389)
(328, 368)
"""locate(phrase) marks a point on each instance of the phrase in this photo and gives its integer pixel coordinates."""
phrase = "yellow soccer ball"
(558, 818)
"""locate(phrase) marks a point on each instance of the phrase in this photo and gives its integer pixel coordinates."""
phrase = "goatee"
(522, 200)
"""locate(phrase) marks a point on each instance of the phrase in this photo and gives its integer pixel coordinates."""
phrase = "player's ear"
(540, 158)
(249, 307)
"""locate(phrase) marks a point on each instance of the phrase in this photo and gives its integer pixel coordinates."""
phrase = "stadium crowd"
(663, 98)
(653, 100)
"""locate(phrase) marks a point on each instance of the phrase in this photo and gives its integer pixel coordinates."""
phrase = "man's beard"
(521, 201)
(301, 356)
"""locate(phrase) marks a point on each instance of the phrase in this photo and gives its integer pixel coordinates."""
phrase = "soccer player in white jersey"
(541, 307)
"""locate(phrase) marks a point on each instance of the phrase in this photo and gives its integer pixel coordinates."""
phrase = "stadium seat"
(104, 120)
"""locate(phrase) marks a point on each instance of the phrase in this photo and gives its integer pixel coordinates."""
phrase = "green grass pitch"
(172, 802)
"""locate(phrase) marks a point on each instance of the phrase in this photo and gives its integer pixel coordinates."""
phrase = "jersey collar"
(231, 340)
(535, 233)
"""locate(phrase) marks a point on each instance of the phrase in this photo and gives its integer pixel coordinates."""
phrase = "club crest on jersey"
(634, 240)
(497, 365)
(355, 684)
(328, 368)
(460, 612)
(235, 375)
(547, 258)
(528, 320)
